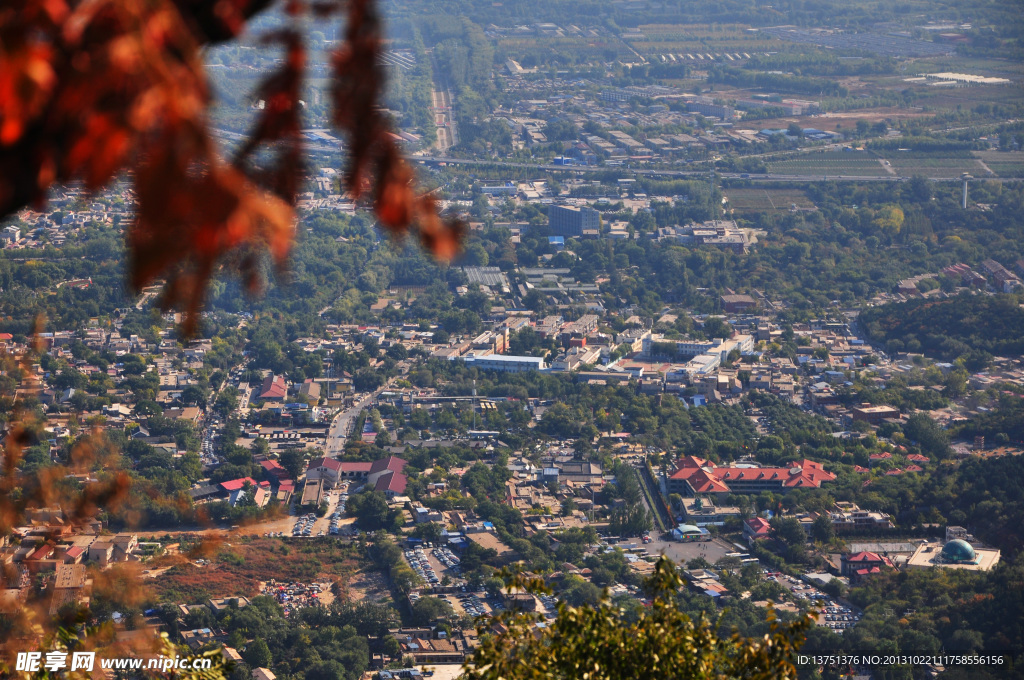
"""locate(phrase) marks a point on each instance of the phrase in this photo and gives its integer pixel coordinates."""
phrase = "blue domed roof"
(958, 550)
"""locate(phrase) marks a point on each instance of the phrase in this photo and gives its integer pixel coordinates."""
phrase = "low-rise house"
(222, 604)
(274, 388)
(70, 586)
(755, 528)
(119, 548)
(848, 517)
(861, 565)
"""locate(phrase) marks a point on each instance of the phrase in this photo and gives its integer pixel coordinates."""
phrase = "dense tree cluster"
(973, 328)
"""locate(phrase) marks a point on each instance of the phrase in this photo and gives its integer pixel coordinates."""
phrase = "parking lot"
(334, 517)
(432, 564)
(470, 604)
(420, 563)
(295, 596)
(309, 525)
(834, 615)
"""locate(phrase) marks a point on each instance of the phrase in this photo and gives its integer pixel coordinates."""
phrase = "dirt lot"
(366, 586)
(238, 565)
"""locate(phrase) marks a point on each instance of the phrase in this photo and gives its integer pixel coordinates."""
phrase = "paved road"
(703, 173)
(342, 423)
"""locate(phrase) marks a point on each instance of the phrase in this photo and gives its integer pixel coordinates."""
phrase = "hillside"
(974, 327)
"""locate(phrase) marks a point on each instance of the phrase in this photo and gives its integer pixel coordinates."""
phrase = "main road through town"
(341, 426)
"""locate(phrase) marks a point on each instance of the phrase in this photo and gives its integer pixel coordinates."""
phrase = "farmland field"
(1004, 164)
(675, 38)
(934, 167)
(766, 200)
(856, 163)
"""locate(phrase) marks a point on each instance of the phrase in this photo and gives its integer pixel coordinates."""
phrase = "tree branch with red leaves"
(90, 89)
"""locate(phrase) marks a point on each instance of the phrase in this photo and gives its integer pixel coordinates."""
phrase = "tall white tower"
(965, 177)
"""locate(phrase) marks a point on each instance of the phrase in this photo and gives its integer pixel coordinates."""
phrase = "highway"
(641, 172)
(769, 177)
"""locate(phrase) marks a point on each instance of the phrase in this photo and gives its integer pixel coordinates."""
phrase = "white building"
(11, 234)
(506, 362)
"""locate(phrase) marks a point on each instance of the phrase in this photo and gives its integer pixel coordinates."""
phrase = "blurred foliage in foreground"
(605, 641)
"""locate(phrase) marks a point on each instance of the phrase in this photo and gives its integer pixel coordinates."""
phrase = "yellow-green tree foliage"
(602, 643)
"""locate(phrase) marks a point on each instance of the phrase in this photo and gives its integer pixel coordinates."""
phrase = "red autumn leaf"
(88, 89)
(395, 196)
(442, 238)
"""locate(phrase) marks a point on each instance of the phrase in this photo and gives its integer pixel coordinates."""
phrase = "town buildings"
(569, 221)
(698, 476)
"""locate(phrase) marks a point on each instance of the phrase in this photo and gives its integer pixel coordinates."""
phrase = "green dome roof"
(958, 550)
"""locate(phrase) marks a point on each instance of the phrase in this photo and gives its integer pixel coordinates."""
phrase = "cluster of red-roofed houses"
(276, 483)
(384, 475)
(698, 476)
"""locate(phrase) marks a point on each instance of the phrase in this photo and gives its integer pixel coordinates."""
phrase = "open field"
(766, 200)
(934, 167)
(692, 38)
(587, 50)
(832, 121)
(1004, 164)
(238, 567)
(858, 163)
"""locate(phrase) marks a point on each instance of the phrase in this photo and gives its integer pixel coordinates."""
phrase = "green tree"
(427, 610)
(603, 641)
(788, 530)
(370, 509)
(294, 461)
(257, 654)
(822, 528)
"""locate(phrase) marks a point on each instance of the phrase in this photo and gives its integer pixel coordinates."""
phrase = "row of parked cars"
(840, 618)
(473, 605)
(419, 563)
(304, 525)
(447, 558)
(338, 512)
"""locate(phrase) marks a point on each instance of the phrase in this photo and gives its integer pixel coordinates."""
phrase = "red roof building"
(755, 528)
(391, 484)
(384, 467)
(863, 564)
(695, 475)
(332, 470)
(273, 471)
(274, 388)
(41, 553)
(355, 470)
(236, 484)
(392, 463)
